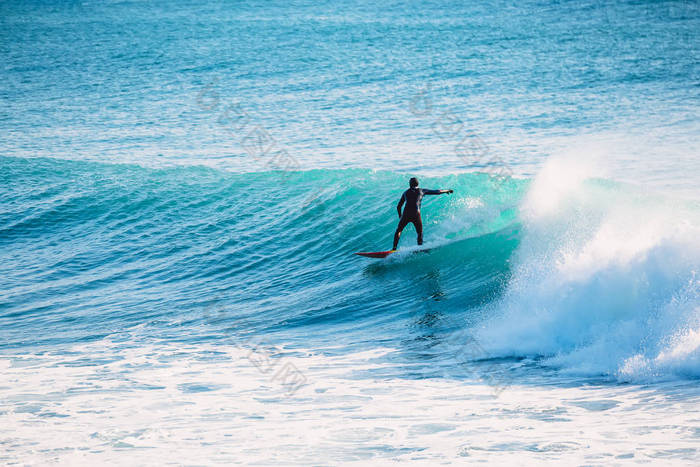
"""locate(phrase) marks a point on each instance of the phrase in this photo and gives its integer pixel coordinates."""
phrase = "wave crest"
(604, 280)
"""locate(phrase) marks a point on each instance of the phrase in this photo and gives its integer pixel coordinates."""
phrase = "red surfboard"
(376, 254)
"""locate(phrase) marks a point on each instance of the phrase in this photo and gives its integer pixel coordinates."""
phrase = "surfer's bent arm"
(401, 201)
(436, 192)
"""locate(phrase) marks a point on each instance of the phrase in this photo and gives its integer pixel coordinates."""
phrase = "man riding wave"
(411, 213)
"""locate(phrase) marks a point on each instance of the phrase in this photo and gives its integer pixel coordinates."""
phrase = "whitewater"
(183, 186)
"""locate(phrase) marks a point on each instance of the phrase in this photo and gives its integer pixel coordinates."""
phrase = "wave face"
(90, 249)
(576, 272)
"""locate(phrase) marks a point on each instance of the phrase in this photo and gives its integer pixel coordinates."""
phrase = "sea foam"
(604, 280)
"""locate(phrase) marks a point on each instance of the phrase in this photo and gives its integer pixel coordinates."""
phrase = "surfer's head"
(413, 182)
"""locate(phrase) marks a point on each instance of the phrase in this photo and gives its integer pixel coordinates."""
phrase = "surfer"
(411, 213)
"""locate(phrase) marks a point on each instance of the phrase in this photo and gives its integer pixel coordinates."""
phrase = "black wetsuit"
(411, 213)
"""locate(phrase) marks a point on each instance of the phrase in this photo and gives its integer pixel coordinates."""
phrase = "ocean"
(183, 186)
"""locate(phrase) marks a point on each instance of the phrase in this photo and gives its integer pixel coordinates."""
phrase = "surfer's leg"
(418, 224)
(397, 234)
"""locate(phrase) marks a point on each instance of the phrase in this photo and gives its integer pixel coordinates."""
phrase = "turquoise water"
(239, 248)
(141, 227)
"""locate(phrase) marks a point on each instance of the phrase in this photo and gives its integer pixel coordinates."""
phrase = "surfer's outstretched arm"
(401, 201)
(436, 192)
